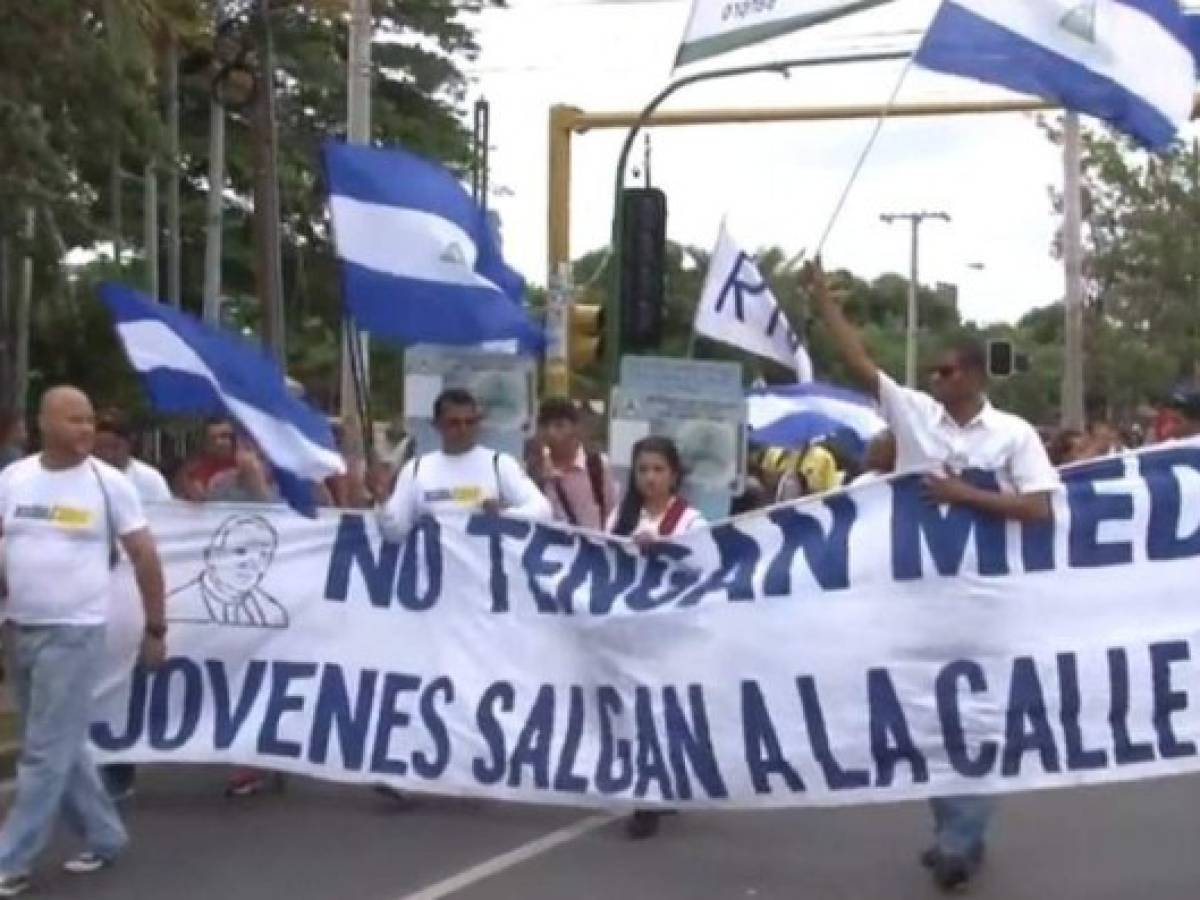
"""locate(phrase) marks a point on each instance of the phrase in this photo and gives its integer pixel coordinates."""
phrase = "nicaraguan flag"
(421, 263)
(794, 415)
(1127, 62)
(192, 368)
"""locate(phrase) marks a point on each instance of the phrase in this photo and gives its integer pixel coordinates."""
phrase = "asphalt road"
(326, 842)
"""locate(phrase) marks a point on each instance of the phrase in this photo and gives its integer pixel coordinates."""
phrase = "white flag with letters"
(737, 308)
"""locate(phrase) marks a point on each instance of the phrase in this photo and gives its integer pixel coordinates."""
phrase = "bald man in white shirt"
(944, 434)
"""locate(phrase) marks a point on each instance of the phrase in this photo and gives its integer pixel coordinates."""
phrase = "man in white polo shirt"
(114, 445)
(461, 478)
(954, 430)
(63, 515)
(452, 483)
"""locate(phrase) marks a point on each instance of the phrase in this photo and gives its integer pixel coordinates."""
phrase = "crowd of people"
(71, 510)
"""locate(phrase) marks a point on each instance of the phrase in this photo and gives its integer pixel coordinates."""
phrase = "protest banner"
(859, 647)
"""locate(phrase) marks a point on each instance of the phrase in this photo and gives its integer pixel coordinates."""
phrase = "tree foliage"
(81, 83)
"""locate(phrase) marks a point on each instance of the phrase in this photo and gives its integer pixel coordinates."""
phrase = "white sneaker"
(86, 863)
(14, 885)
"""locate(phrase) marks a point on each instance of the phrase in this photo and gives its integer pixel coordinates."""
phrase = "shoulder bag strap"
(110, 524)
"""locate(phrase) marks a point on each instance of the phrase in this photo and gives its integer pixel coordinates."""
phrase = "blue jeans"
(960, 823)
(53, 669)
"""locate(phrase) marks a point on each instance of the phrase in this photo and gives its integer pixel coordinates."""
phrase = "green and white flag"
(718, 26)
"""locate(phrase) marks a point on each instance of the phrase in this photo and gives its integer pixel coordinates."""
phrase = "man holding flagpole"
(953, 437)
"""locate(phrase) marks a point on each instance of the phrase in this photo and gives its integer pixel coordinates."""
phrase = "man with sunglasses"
(459, 479)
(944, 434)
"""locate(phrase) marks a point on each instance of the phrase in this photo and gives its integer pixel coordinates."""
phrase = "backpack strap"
(563, 501)
(670, 519)
(499, 483)
(595, 473)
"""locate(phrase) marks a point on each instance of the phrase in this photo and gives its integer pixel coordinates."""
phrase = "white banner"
(738, 308)
(718, 26)
(859, 647)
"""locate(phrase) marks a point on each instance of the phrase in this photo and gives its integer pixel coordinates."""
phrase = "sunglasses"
(460, 422)
(946, 371)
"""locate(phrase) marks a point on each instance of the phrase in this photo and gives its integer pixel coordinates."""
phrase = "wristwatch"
(156, 631)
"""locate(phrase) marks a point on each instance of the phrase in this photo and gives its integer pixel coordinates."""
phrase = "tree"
(1142, 269)
(58, 121)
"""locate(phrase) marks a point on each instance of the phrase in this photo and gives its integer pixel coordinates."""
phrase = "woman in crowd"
(653, 509)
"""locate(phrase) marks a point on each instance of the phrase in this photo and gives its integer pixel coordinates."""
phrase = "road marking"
(515, 857)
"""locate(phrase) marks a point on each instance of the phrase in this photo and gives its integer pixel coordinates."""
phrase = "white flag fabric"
(1127, 62)
(860, 647)
(737, 308)
(718, 26)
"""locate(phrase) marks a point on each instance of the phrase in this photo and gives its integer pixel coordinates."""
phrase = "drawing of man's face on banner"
(240, 554)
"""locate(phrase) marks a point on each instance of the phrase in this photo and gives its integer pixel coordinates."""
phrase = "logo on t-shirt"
(467, 494)
(66, 516)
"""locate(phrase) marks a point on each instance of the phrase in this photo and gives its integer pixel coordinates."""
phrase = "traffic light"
(1001, 359)
(585, 335)
(643, 267)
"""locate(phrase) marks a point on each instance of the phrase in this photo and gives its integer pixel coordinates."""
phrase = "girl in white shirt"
(651, 510)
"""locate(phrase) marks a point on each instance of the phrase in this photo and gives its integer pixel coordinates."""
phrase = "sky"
(778, 184)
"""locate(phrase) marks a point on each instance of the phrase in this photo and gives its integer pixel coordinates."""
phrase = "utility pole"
(114, 193)
(266, 195)
(915, 220)
(7, 374)
(214, 212)
(480, 152)
(24, 312)
(174, 217)
(358, 131)
(150, 226)
(1072, 241)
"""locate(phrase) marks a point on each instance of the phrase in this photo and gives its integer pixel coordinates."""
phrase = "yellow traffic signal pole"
(567, 121)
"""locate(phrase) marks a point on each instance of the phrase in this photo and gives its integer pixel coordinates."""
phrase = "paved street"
(319, 842)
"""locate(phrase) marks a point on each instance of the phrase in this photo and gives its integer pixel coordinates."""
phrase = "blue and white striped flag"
(1127, 62)
(421, 263)
(192, 368)
(794, 415)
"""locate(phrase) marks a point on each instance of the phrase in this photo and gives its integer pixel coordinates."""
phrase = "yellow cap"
(820, 471)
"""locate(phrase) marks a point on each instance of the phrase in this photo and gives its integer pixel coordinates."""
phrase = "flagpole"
(1072, 232)
(612, 337)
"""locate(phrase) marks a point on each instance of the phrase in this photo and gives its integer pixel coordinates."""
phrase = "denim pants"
(53, 669)
(960, 823)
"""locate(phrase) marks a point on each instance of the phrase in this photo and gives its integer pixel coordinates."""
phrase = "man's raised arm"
(845, 336)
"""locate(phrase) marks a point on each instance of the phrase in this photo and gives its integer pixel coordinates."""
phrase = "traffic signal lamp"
(1001, 359)
(643, 268)
(585, 335)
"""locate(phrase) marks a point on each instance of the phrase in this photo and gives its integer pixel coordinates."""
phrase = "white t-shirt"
(56, 539)
(444, 485)
(649, 525)
(929, 440)
(149, 483)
